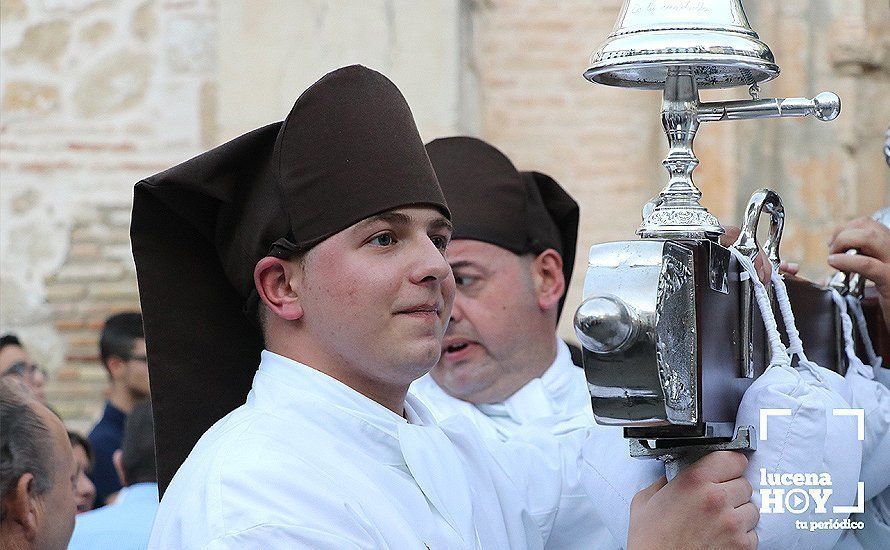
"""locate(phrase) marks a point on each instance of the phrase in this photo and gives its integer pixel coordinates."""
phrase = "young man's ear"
(115, 366)
(117, 458)
(20, 507)
(548, 278)
(273, 278)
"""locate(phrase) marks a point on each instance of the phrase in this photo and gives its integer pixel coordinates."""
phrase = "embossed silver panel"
(652, 379)
(676, 350)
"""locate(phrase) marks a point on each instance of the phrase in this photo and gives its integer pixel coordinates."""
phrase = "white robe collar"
(540, 397)
(287, 388)
(290, 389)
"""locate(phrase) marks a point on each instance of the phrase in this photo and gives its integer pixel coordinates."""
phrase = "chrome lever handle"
(825, 106)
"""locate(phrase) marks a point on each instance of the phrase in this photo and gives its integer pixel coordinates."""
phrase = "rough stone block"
(144, 24)
(116, 83)
(30, 97)
(44, 42)
(13, 10)
(190, 44)
(122, 290)
(97, 33)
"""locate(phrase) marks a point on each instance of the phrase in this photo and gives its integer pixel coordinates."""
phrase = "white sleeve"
(611, 478)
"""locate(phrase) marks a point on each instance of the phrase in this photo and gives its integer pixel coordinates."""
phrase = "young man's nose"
(431, 264)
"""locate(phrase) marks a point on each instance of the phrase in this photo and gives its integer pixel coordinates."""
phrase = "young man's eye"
(383, 240)
(441, 241)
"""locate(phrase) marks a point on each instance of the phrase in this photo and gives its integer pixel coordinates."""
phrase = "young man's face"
(486, 345)
(134, 374)
(377, 296)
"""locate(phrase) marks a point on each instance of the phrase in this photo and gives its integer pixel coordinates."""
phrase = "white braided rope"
(778, 354)
(795, 346)
(855, 306)
(846, 326)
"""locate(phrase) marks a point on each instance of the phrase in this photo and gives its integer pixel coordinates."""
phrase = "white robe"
(307, 462)
(557, 403)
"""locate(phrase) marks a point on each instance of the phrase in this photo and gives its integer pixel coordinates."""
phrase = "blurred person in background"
(14, 360)
(126, 523)
(122, 349)
(872, 239)
(37, 473)
(85, 491)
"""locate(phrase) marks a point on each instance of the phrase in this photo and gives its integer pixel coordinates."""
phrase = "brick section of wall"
(600, 143)
(96, 279)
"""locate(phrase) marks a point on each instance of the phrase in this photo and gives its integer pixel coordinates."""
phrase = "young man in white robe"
(332, 229)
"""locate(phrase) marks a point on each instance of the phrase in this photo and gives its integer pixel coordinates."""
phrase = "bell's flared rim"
(650, 72)
(720, 59)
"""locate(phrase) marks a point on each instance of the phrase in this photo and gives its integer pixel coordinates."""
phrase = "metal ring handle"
(747, 242)
(848, 282)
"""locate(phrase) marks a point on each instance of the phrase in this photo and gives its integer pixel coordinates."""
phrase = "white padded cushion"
(810, 440)
(882, 375)
(874, 398)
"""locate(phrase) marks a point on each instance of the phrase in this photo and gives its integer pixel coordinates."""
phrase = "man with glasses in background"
(15, 361)
(122, 349)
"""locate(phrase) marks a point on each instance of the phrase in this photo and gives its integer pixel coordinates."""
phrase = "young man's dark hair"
(79, 440)
(119, 334)
(138, 459)
(9, 339)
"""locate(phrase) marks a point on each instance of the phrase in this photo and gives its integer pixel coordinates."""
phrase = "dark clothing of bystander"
(106, 437)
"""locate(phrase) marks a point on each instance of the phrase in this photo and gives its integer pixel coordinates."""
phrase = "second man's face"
(378, 295)
(485, 349)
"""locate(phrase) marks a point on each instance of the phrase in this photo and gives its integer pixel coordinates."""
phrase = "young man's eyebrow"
(442, 223)
(396, 218)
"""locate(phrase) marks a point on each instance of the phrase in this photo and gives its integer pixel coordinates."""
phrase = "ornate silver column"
(668, 325)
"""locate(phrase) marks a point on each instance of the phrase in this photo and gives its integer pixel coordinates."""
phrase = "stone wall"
(97, 94)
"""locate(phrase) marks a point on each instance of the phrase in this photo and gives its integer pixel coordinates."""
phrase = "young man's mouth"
(423, 310)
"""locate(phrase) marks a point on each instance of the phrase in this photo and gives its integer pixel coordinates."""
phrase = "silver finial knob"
(826, 106)
(605, 324)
